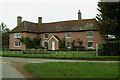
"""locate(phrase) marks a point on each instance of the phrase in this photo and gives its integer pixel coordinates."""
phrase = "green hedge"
(110, 48)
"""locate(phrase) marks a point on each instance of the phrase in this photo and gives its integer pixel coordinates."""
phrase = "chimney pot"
(79, 15)
(39, 20)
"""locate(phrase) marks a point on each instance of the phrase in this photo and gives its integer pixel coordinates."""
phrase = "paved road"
(9, 71)
(36, 60)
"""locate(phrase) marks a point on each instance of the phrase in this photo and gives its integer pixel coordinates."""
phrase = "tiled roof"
(73, 25)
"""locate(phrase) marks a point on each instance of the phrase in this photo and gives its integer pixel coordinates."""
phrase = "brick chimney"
(79, 15)
(39, 21)
(19, 20)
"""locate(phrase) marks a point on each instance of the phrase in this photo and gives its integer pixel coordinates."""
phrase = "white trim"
(17, 46)
(43, 42)
(66, 35)
(15, 35)
(53, 37)
(87, 44)
(44, 35)
(89, 36)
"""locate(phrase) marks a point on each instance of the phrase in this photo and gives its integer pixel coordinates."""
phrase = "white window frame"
(69, 44)
(45, 37)
(67, 36)
(17, 35)
(18, 44)
(92, 43)
(43, 43)
(88, 35)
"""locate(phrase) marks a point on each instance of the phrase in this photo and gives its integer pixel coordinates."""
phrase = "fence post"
(77, 50)
(96, 49)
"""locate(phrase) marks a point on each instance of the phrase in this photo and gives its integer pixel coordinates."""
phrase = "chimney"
(79, 15)
(19, 20)
(39, 20)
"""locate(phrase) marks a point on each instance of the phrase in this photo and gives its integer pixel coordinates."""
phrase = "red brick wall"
(22, 46)
(80, 35)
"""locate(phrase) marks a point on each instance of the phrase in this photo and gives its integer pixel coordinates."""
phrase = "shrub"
(78, 48)
(110, 48)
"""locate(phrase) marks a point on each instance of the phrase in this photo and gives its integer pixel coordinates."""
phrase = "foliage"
(110, 48)
(77, 44)
(62, 43)
(68, 55)
(109, 18)
(5, 36)
(31, 43)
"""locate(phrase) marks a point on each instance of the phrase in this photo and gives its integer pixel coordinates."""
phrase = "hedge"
(110, 48)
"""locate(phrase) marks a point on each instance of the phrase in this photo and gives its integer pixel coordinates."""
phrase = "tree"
(62, 43)
(108, 18)
(5, 36)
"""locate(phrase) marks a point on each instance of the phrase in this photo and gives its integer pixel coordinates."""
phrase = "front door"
(53, 45)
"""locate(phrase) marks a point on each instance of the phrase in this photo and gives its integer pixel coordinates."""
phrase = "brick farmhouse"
(83, 29)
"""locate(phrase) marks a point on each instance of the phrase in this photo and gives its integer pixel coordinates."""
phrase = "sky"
(49, 10)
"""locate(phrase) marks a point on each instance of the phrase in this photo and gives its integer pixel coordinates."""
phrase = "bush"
(78, 48)
(110, 48)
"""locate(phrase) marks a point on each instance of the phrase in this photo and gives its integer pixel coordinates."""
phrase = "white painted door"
(53, 45)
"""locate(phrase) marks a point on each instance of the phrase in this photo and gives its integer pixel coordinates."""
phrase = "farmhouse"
(52, 33)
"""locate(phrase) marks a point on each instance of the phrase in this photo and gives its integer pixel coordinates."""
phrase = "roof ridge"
(69, 21)
(29, 22)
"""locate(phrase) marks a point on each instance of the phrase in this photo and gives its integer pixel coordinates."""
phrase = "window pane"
(45, 44)
(89, 34)
(46, 35)
(68, 34)
(90, 44)
(17, 43)
(16, 35)
(67, 44)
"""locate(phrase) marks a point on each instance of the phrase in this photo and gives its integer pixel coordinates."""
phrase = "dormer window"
(46, 35)
(17, 35)
(68, 35)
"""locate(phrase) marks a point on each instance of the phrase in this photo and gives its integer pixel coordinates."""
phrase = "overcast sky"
(49, 10)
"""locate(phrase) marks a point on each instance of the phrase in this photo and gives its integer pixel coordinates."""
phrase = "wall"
(80, 35)
(22, 46)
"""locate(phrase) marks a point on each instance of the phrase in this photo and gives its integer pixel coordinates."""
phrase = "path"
(9, 71)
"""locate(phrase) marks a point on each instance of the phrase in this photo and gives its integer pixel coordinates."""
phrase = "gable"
(53, 37)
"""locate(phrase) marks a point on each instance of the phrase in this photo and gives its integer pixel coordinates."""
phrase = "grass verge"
(73, 70)
(62, 55)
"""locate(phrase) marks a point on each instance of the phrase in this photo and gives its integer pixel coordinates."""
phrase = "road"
(38, 60)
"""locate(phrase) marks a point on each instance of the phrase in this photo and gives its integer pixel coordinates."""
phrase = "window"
(68, 44)
(17, 44)
(89, 34)
(45, 44)
(89, 43)
(46, 35)
(68, 35)
(16, 35)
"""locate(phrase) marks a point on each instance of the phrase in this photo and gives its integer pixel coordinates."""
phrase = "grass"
(73, 70)
(81, 55)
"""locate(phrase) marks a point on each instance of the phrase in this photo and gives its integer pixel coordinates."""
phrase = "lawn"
(73, 70)
(76, 55)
